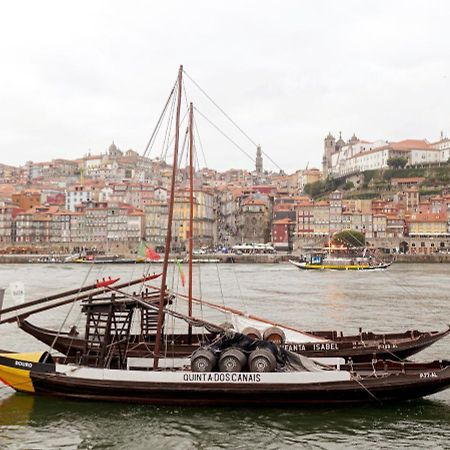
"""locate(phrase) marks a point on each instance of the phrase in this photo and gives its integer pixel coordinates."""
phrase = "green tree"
(349, 185)
(350, 238)
(319, 188)
(397, 162)
(313, 189)
(368, 175)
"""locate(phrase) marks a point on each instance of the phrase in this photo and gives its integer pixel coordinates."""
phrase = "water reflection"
(16, 409)
(62, 423)
(335, 301)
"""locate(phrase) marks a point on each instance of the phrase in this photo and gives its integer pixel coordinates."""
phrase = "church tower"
(340, 142)
(114, 152)
(353, 139)
(259, 162)
(329, 149)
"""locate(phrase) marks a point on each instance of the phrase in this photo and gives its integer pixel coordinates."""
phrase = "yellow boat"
(15, 369)
(338, 264)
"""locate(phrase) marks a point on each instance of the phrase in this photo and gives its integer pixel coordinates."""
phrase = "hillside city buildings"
(355, 156)
(110, 202)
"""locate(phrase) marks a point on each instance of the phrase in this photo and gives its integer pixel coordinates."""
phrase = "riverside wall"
(229, 258)
(210, 258)
(433, 258)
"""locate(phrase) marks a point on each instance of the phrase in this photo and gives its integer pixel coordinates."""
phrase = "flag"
(145, 251)
(17, 291)
(141, 249)
(151, 254)
(180, 271)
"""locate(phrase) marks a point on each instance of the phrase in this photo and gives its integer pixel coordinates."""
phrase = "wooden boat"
(233, 369)
(109, 308)
(342, 257)
(106, 260)
(38, 374)
(364, 346)
(339, 264)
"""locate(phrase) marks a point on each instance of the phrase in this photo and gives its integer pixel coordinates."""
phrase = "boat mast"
(191, 212)
(169, 224)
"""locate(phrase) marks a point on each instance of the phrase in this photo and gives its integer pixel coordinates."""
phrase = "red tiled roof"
(284, 221)
(408, 144)
(253, 201)
(428, 217)
(408, 180)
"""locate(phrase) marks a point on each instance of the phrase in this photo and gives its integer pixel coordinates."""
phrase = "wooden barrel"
(275, 335)
(232, 360)
(203, 360)
(252, 333)
(262, 360)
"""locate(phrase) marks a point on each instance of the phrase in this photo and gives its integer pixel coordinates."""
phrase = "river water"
(404, 297)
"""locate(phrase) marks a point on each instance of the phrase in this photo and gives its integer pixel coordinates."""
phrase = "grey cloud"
(75, 77)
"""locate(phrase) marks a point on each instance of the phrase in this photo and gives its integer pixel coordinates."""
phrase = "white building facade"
(355, 156)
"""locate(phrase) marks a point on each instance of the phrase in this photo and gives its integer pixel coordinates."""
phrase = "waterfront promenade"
(229, 258)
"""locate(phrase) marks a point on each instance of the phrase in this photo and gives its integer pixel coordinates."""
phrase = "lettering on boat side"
(223, 377)
(295, 347)
(319, 347)
(325, 347)
(428, 375)
(387, 346)
(28, 365)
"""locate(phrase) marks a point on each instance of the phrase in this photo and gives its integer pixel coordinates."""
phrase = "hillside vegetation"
(375, 183)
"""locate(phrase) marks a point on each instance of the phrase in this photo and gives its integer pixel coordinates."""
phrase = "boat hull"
(393, 388)
(383, 382)
(359, 348)
(343, 267)
(16, 369)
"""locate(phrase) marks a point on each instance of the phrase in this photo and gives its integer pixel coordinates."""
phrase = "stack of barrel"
(234, 359)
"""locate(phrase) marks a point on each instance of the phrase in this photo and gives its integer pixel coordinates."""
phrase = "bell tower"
(259, 161)
(329, 149)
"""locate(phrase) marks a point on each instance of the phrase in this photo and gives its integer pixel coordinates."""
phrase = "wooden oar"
(102, 290)
(97, 285)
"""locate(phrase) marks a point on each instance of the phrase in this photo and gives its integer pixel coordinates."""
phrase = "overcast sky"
(76, 76)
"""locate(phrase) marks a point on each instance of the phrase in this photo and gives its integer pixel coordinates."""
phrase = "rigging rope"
(158, 124)
(165, 143)
(169, 144)
(200, 142)
(355, 378)
(230, 119)
(409, 291)
(225, 135)
(241, 297)
(220, 287)
(220, 109)
(91, 266)
(183, 148)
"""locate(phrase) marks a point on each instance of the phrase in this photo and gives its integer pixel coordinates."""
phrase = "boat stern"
(15, 369)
